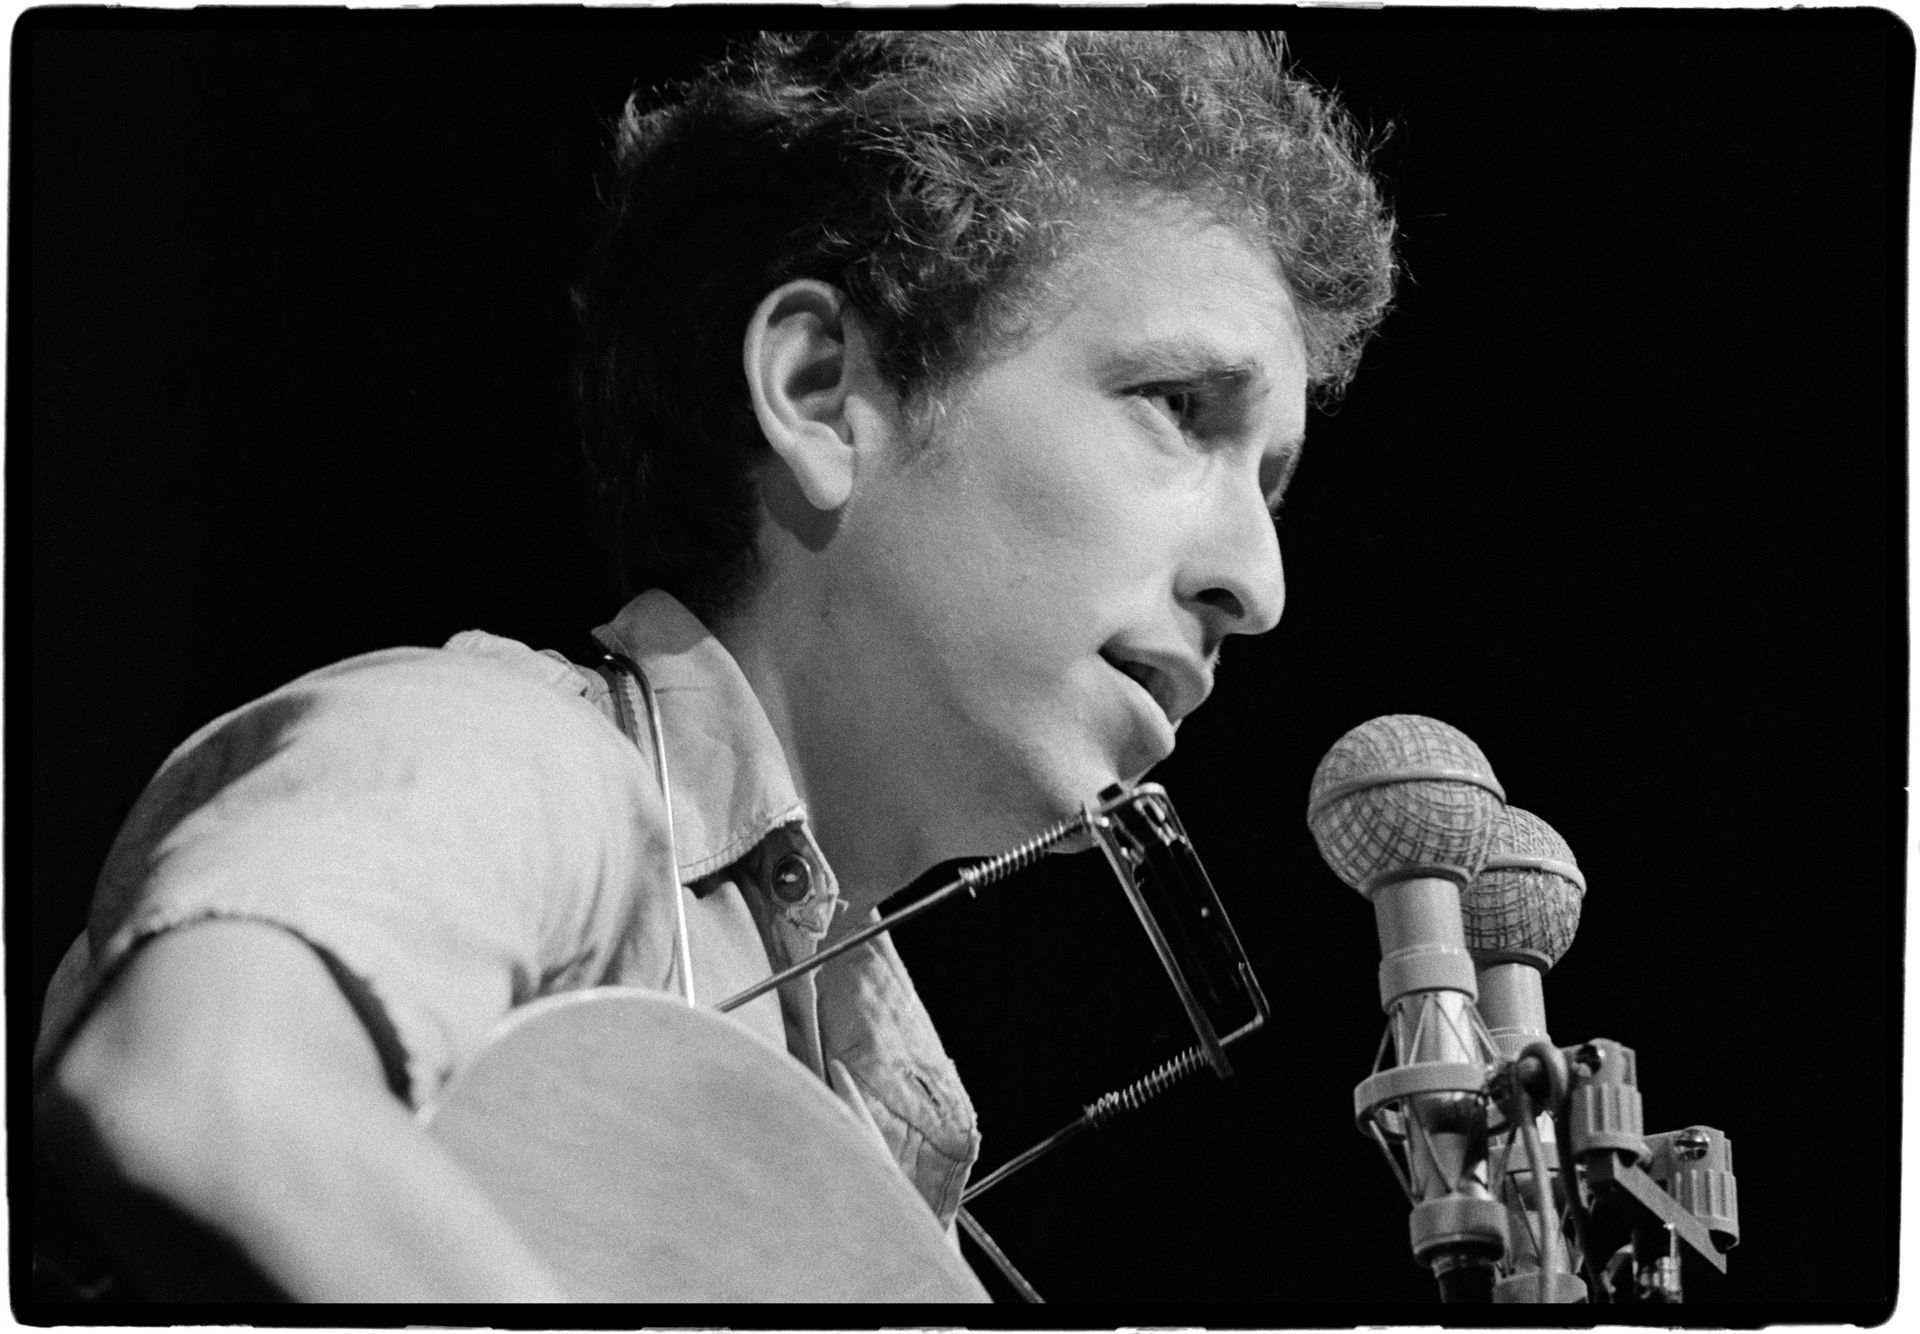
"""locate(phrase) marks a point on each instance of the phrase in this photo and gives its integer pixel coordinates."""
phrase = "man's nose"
(1236, 572)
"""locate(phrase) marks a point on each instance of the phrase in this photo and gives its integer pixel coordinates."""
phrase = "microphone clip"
(1644, 1200)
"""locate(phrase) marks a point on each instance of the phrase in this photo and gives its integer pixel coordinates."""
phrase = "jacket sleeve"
(453, 834)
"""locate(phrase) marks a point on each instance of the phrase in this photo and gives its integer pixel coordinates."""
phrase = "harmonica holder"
(1152, 859)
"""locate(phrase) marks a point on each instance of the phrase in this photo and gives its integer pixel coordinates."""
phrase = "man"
(939, 389)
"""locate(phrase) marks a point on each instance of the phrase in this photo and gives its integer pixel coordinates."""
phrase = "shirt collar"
(731, 784)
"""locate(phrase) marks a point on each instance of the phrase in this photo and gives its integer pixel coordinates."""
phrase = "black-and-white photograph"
(1217, 677)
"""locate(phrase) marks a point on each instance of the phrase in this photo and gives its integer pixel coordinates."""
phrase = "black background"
(1616, 493)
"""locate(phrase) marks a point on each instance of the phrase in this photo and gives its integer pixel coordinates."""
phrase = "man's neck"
(860, 816)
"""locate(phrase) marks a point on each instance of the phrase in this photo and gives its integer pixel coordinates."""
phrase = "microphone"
(1402, 808)
(1519, 915)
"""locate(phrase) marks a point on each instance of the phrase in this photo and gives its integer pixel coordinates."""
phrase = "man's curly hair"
(936, 178)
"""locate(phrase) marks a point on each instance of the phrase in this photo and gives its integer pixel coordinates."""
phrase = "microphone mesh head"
(1403, 795)
(1526, 899)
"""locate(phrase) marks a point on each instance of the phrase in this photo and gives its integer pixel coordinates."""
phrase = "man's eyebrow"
(1182, 360)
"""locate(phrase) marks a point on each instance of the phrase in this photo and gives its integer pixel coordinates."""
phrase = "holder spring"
(1015, 859)
(1102, 1109)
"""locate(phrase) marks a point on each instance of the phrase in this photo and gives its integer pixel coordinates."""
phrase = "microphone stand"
(1635, 1202)
(1646, 1195)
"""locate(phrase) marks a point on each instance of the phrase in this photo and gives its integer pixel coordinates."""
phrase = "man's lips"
(1175, 683)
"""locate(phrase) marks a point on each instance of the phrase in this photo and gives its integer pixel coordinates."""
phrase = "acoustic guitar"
(653, 1152)
(649, 1152)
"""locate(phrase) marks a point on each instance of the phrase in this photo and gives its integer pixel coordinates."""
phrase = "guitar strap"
(631, 692)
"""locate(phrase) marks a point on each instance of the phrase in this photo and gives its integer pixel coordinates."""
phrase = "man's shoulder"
(547, 666)
(473, 659)
(474, 666)
(476, 685)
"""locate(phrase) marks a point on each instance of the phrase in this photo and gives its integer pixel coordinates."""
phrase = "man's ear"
(810, 372)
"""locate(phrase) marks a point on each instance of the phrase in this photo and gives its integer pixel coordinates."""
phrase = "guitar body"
(653, 1152)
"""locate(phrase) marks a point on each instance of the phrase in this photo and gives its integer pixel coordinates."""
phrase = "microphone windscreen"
(1402, 796)
(1526, 899)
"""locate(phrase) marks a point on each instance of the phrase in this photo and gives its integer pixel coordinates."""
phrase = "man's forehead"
(1164, 291)
(1183, 290)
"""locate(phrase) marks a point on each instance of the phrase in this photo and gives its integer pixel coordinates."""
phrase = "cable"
(1542, 1197)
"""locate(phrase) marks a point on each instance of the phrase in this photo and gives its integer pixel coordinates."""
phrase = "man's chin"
(1058, 789)
(1091, 796)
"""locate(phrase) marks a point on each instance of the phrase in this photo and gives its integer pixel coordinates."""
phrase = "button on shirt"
(462, 830)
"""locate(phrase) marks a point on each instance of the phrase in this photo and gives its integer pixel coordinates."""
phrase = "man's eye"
(1179, 406)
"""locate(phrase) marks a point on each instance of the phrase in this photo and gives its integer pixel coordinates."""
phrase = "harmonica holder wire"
(631, 683)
